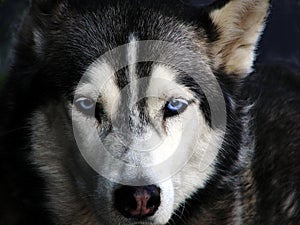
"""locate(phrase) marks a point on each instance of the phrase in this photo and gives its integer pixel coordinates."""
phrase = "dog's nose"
(137, 202)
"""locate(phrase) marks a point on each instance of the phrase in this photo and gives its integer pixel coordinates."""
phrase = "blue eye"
(175, 106)
(85, 105)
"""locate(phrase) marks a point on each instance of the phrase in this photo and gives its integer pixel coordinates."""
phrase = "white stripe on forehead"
(132, 52)
(100, 81)
(132, 49)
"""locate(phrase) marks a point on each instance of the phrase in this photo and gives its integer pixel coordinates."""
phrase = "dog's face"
(127, 133)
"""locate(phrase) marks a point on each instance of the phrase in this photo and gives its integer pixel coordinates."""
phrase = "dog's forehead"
(91, 34)
(128, 70)
(85, 30)
(129, 88)
(87, 35)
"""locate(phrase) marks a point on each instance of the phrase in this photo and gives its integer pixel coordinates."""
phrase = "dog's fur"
(246, 174)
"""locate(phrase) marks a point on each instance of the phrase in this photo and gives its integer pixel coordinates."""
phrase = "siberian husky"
(144, 112)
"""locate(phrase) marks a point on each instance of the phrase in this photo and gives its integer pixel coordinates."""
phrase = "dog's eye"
(175, 106)
(85, 105)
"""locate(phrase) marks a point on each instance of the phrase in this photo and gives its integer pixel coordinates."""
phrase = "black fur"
(272, 175)
(275, 91)
(264, 179)
(23, 195)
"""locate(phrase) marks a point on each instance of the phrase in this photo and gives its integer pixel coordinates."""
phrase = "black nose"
(137, 202)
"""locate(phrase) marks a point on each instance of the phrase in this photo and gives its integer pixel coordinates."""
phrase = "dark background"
(280, 42)
(281, 39)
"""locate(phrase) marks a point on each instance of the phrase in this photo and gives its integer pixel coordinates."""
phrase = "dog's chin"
(141, 222)
(144, 222)
(154, 220)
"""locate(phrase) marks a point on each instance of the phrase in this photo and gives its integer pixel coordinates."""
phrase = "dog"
(147, 112)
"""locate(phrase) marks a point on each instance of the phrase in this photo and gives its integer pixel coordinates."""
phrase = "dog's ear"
(46, 7)
(239, 24)
(41, 14)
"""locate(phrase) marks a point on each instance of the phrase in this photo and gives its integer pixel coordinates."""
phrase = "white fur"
(101, 84)
(132, 49)
(38, 42)
(132, 60)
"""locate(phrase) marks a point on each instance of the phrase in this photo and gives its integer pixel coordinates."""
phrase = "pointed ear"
(45, 6)
(36, 24)
(239, 24)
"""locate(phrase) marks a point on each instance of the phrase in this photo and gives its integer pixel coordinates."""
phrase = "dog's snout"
(137, 202)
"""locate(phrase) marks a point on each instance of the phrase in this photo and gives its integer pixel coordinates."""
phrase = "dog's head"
(131, 101)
